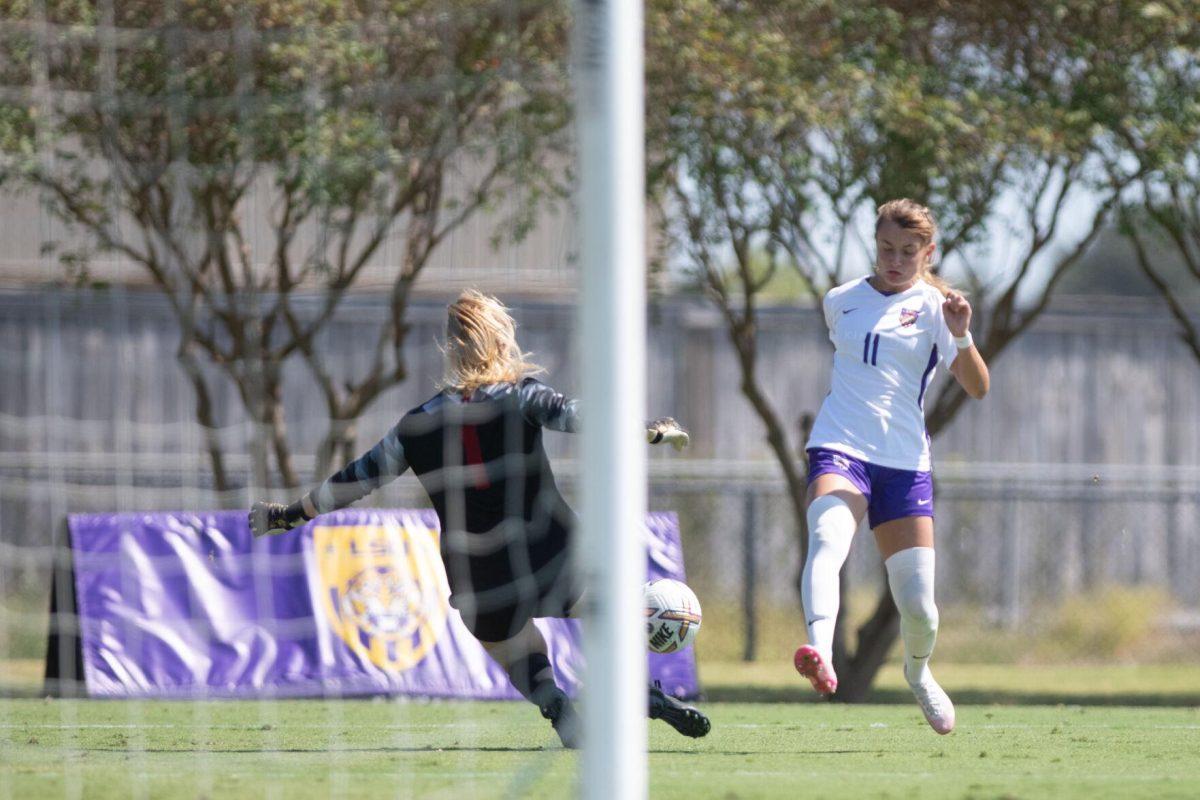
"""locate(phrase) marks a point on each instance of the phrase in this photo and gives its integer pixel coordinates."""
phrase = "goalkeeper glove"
(270, 519)
(665, 429)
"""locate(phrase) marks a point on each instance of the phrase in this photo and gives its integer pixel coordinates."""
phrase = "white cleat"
(935, 704)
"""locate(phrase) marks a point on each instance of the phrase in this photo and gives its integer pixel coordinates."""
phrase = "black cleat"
(559, 709)
(685, 719)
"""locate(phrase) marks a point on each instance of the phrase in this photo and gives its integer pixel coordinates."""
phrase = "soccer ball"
(672, 615)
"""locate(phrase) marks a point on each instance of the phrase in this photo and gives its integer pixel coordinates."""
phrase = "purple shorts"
(891, 493)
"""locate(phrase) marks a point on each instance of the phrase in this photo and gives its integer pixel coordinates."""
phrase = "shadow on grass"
(771, 694)
(423, 750)
(802, 694)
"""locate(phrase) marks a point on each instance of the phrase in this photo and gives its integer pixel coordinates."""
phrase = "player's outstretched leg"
(812, 665)
(524, 658)
(831, 525)
(683, 718)
(558, 708)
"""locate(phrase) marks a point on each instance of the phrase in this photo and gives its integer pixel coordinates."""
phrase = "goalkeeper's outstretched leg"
(683, 718)
(524, 657)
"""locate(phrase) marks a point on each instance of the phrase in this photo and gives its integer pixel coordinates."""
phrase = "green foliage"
(762, 125)
(777, 283)
(1114, 622)
(237, 151)
(1111, 267)
(24, 622)
(1162, 224)
(343, 106)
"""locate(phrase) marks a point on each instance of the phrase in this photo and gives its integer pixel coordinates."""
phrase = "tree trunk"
(326, 453)
(841, 649)
(206, 418)
(349, 440)
(277, 425)
(805, 424)
(875, 639)
(337, 445)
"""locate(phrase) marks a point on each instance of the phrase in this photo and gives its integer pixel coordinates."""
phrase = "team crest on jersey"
(908, 317)
(384, 590)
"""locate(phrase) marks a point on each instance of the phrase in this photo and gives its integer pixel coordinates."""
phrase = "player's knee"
(919, 612)
(830, 522)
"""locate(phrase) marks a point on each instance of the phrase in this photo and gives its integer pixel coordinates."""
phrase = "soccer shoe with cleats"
(559, 709)
(935, 704)
(812, 665)
(685, 719)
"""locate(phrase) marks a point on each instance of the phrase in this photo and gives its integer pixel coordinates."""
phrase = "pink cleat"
(935, 704)
(811, 664)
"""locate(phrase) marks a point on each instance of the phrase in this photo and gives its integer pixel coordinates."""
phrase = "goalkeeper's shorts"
(497, 594)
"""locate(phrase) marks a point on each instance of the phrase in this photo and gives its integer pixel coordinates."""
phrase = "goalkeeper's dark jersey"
(505, 526)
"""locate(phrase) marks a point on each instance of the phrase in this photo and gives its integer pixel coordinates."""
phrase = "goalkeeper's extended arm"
(666, 430)
(269, 519)
(382, 463)
(543, 406)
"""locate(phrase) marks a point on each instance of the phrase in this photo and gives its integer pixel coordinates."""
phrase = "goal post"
(609, 94)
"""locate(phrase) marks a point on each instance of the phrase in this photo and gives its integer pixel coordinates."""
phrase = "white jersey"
(887, 349)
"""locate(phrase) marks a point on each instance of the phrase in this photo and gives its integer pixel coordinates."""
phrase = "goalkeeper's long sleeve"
(381, 464)
(548, 408)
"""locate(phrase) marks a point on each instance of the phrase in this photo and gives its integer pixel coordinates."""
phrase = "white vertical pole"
(609, 75)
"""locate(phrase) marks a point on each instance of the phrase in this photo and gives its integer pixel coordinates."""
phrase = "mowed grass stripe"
(324, 749)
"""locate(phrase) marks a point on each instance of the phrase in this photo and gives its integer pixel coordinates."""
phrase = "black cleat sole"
(684, 719)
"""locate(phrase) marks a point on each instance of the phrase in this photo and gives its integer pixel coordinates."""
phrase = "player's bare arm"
(968, 368)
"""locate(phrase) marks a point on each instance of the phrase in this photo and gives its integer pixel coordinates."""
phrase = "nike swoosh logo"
(848, 310)
(922, 502)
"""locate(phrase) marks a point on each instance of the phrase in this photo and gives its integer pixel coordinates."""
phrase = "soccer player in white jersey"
(869, 451)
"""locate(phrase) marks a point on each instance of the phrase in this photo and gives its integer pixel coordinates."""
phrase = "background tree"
(771, 150)
(1162, 225)
(152, 129)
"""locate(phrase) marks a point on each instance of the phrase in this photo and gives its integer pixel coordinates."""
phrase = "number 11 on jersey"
(871, 349)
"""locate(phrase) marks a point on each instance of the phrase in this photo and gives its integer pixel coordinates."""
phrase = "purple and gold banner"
(190, 605)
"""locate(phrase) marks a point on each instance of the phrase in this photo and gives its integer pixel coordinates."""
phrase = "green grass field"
(352, 749)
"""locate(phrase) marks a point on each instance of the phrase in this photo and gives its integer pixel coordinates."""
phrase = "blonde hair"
(912, 216)
(481, 344)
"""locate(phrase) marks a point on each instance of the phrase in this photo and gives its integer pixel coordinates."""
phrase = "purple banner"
(354, 603)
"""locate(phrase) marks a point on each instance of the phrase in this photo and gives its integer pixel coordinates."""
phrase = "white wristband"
(964, 341)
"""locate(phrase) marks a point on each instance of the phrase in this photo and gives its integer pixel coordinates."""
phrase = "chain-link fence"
(1035, 563)
(1056, 559)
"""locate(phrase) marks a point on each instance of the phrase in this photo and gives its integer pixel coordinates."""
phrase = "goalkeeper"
(476, 447)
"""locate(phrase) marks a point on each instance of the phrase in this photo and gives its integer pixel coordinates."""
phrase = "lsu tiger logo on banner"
(384, 589)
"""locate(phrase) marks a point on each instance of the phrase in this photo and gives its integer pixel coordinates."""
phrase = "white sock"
(831, 529)
(910, 575)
